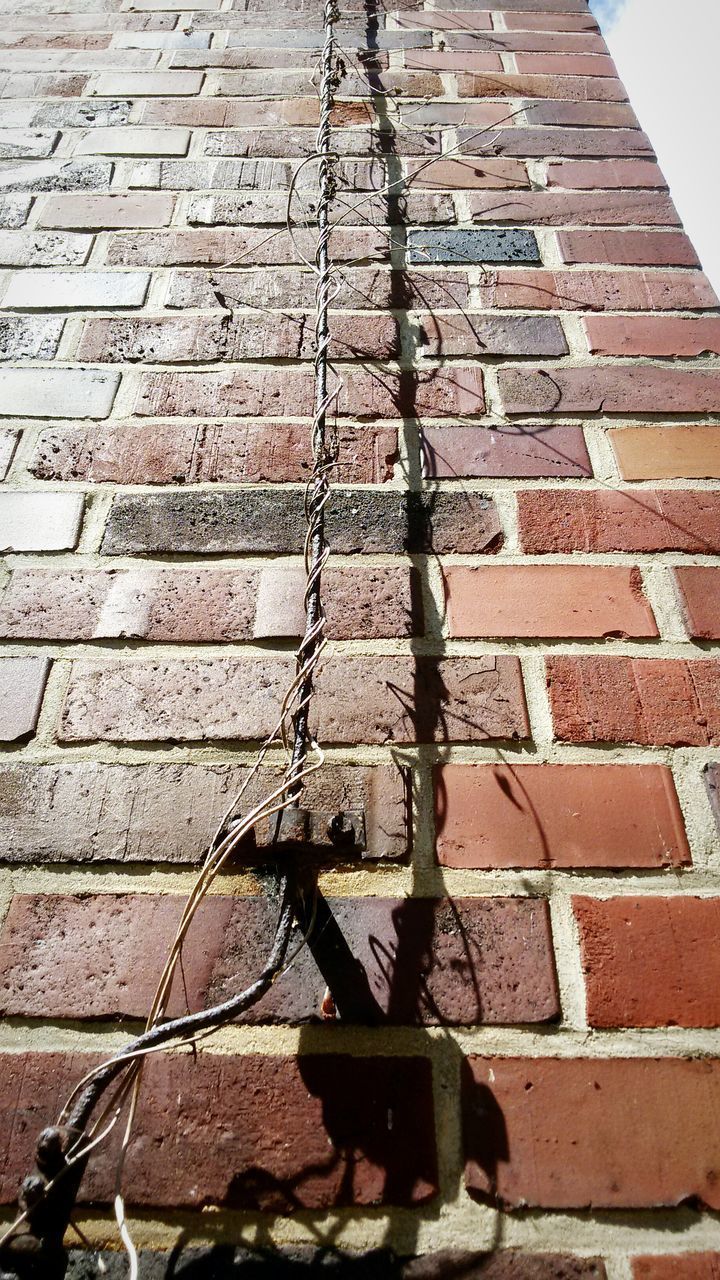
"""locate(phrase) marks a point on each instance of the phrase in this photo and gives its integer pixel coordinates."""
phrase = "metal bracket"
(36, 1251)
(317, 832)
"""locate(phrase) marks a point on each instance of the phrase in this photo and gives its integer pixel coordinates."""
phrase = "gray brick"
(81, 115)
(14, 211)
(161, 40)
(273, 521)
(76, 289)
(56, 175)
(440, 245)
(43, 249)
(40, 521)
(27, 143)
(29, 337)
(258, 207)
(52, 393)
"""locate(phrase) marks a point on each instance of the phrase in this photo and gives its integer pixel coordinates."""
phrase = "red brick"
(561, 520)
(572, 87)
(458, 452)
(678, 1266)
(368, 699)
(596, 290)
(450, 20)
(469, 332)
(699, 589)
(678, 452)
(362, 289)
(554, 141)
(452, 60)
(248, 1132)
(586, 1133)
(546, 600)
(650, 962)
(86, 811)
(558, 815)
(550, 21)
(137, 209)
(653, 335)
(383, 394)
(595, 208)
(579, 42)
(614, 389)
(68, 939)
(596, 115)
(468, 173)
(22, 685)
(213, 452)
(245, 335)
(565, 64)
(219, 113)
(223, 246)
(653, 701)
(630, 248)
(594, 174)
(206, 604)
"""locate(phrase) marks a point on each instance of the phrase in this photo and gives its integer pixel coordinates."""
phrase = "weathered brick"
(360, 289)
(574, 87)
(33, 85)
(654, 452)
(654, 701)
(85, 114)
(560, 520)
(595, 208)
(468, 173)
(29, 337)
(227, 246)
(205, 605)
(650, 962)
(712, 784)
(22, 684)
(245, 335)
(168, 813)
(615, 389)
(372, 394)
(270, 207)
(34, 290)
(514, 983)
(448, 21)
(580, 42)
(290, 84)
(56, 175)
(566, 815)
(630, 248)
(587, 1133)
(8, 443)
(134, 141)
(301, 142)
(28, 248)
(449, 60)
(546, 600)
(596, 290)
(598, 115)
(250, 1132)
(43, 393)
(14, 210)
(678, 1266)
(138, 209)
(358, 521)
(596, 174)
(578, 64)
(553, 450)
(226, 113)
(472, 246)
(147, 84)
(550, 21)
(699, 591)
(470, 333)
(566, 142)
(40, 521)
(373, 700)
(27, 143)
(216, 453)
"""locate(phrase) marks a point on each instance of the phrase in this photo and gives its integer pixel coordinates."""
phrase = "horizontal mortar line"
(431, 646)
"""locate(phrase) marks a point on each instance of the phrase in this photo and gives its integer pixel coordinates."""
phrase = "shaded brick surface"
(22, 684)
(580, 1133)
(547, 815)
(448, 961)
(528, 450)
(254, 1132)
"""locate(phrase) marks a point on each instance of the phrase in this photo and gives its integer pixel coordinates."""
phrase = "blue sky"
(668, 54)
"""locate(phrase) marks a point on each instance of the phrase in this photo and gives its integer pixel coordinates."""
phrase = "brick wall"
(522, 688)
